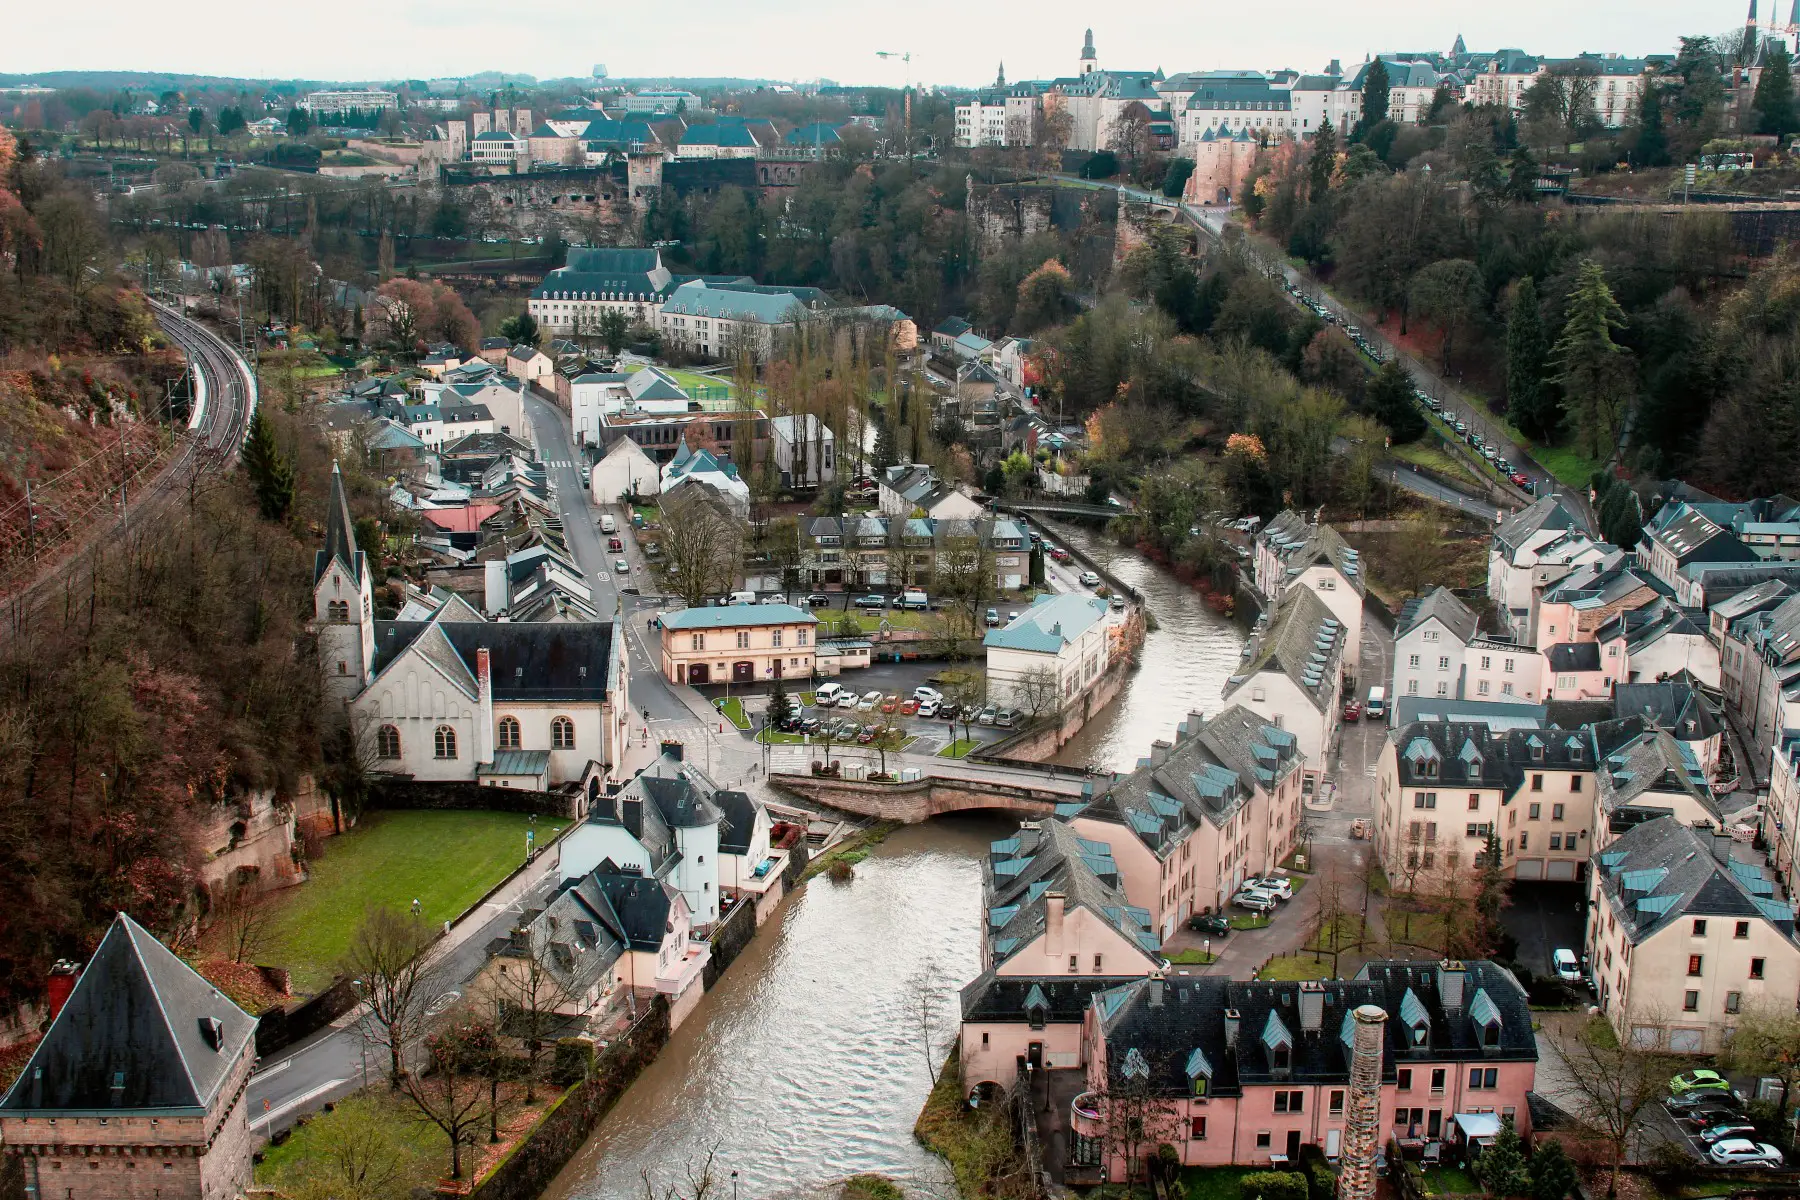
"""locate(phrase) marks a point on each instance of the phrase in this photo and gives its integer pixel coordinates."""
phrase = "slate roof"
(340, 534)
(822, 132)
(1637, 774)
(609, 271)
(1299, 545)
(697, 299)
(737, 813)
(1546, 512)
(1051, 623)
(140, 1031)
(640, 907)
(731, 135)
(1237, 1025)
(1688, 533)
(1304, 641)
(1236, 95)
(1661, 871)
(1573, 656)
(576, 936)
(1212, 769)
(1442, 604)
(1049, 858)
(991, 998)
(1444, 753)
(528, 661)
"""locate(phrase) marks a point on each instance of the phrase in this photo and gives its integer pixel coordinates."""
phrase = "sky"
(952, 42)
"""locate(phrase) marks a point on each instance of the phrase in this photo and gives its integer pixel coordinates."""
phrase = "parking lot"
(1545, 917)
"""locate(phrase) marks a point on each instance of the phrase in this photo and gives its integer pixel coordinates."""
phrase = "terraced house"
(1685, 938)
(900, 552)
(744, 643)
(1292, 676)
(1199, 816)
(1247, 1073)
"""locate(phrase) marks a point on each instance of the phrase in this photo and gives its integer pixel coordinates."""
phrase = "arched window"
(444, 743)
(338, 610)
(387, 742)
(509, 733)
(562, 734)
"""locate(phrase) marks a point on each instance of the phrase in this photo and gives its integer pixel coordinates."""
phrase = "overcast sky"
(952, 41)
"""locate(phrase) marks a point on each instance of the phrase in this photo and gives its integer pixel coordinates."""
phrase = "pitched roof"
(340, 534)
(1304, 641)
(1052, 622)
(141, 1030)
(1439, 603)
(1050, 859)
(1661, 870)
(528, 660)
(1573, 656)
(1546, 512)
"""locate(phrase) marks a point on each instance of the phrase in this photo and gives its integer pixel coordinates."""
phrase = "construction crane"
(905, 58)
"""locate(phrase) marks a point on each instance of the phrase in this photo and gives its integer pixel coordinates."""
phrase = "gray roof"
(340, 534)
(1681, 708)
(1049, 859)
(1304, 641)
(1441, 603)
(1639, 768)
(1691, 535)
(140, 1031)
(1051, 622)
(1660, 871)
(1546, 512)
(1573, 656)
(1300, 544)
(528, 661)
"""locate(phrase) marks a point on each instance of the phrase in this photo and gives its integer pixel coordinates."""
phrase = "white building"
(361, 100)
(805, 450)
(715, 320)
(981, 123)
(1292, 675)
(455, 699)
(498, 148)
(598, 279)
(624, 473)
(1290, 553)
(1439, 652)
(1535, 547)
(1046, 657)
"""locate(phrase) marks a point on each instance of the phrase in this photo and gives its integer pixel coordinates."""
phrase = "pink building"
(1248, 1073)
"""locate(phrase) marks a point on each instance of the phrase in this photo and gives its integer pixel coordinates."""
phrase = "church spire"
(1000, 79)
(1751, 19)
(340, 531)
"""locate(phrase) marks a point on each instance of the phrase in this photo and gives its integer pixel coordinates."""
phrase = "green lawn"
(1215, 1183)
(733, 710)
(959, 748)
(775, 737)
(689, 379)
(1248, 920)
(1294, 967)
(1188, 958)
(414, 1149)
(1568, 464)
(445, 860)
(1450, 1181)
(903, 618)
(1432, 455)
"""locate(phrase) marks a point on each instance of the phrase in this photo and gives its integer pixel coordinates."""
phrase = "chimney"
(1159, 752)
(494, 595)
(1312, 1006)
(1195, 720)
(631, 815)
(1451, 977)
(1155, 985)
(1721, 848)
(63, 975)
(673, 749)
(1053, 921)
(484, 703)
(1231, 1028)
(1362, 1124)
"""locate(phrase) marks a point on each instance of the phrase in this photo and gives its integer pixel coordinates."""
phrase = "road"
(225, 393)
(1420, 485)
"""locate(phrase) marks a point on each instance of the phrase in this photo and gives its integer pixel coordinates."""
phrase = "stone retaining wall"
(912, 803)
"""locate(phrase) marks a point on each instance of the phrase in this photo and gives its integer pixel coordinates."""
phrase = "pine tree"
(1375, 95)
(1552, 1172)
(271, 472)
(1528, 397)
(1324, 159)
(780, 707)
(1522, 176)
(1594, 370)
(1774, 102)
(1501, 1166)
(1389, 399)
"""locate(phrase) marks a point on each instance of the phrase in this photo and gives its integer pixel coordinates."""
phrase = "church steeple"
(1000, 79)
(340, 533)
(1089, 60)
(343, 605)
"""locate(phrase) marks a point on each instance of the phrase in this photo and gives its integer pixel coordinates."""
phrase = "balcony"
(1084, 1114)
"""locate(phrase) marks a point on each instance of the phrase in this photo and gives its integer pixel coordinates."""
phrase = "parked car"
(947, 711)
(1276, 885)
(908, 707)
(1006, 717)
(1695, 1101)
(1090, 579)
(1059, 554)
(927, 708)
(1698, 1081)
(1708, 1115)
(1727, 1129)
(1742, 1152)
(871, 601)
(890, 702)
(585, 475)
(1519, 480)
(1117, 602)
(926, 692)
(818, 600)
(987, 715)
(868, 702)
(620, 566)
(614, 544)
(1212, 923)
(1255, 901)
(993, 618)
(826, 694)
(811, 725)
(848, 699)
(1567, 966)
(1353, 710)
(866, 734)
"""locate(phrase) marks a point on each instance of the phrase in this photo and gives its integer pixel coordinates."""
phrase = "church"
(455, 698)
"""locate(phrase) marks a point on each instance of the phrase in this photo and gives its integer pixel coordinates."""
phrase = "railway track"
(224, 399)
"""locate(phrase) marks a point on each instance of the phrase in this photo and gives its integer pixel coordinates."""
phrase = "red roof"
(467, 519)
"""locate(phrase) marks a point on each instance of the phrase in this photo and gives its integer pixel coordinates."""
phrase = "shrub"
(871, 1187)
(574, 1061)
(1273, 1185)
(840, 871)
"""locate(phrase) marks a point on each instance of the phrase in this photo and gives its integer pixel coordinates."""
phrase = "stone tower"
(1089, 61)
(1362, 1122)
(343, 606)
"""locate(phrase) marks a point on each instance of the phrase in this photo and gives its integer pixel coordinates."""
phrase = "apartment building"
(1291, 552)
(745, 643)
(1440, 652)
(1759, 673)
(1513, 570)
(1199, 816)
(1444, 785)
(1684, 938)
(1247, 1073)
(1044, 660)
(895, 552)
(1642, 773)
(1292, 675)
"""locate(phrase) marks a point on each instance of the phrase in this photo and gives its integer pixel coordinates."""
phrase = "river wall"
(923, 799)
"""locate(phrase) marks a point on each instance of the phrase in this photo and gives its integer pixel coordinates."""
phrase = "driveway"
(1545, 917)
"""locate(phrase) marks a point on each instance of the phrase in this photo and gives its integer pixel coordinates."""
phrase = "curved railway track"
(224, 399)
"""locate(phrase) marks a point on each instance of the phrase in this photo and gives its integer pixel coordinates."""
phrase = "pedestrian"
(415, 906)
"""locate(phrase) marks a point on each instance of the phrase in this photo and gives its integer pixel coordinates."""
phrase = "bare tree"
(1767, 1042)
(924, 993)
(357, 1156)
(697, 1182)
(702, 546)
(240, 922)
(1613, 1082)
(447, 1093)
(1137, 1115)
(969, 694)
(526, 993)
(387, 959)
(1038, 691)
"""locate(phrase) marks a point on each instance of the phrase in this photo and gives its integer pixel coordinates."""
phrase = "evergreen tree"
(781, 707)
(1376, 86)
(1324, 159)
(1652, 146)
(522, 329)
(1522, 176)
(1528, 396)
(1552, 1172)
(1389, 399)
(1175, 180)
(884, 456)
(1501, 1166)
(1774, 102)
(1594, 371)
(1491, 896)
(271, 472)
(1621, 517)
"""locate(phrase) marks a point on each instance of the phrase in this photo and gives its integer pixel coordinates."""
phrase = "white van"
(1377, 705)
(608, 524)
(826, 694)
(914, 598)
(741, 598)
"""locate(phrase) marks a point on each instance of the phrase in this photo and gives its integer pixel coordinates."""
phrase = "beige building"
(739, 643)
(137, 1090)
(1683, 938)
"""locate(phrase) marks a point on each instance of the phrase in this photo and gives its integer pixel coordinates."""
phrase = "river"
(805, 1063)
(1186, 660)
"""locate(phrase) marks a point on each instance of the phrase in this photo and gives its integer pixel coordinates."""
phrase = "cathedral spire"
(1000, 79)
(340, 530)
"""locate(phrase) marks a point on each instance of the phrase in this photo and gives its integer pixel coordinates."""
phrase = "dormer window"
(1415, 1019)
(1199, 1073)
(1486, 1017)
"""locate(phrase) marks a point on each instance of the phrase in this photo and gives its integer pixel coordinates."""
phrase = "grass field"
(1215, 1183)
(1196, 958)
(689, 379)
(1568, 464)
(733, 710)
(1432, 455)
(959, 748)
(446, 860)
(1294, 967)
(415, 1150)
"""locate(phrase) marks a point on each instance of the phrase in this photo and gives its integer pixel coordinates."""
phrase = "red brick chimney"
(63, 975)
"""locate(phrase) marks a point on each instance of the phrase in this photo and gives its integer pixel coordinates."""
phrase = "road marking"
(442, 1003)
(297, 1101)
(265, 1072)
